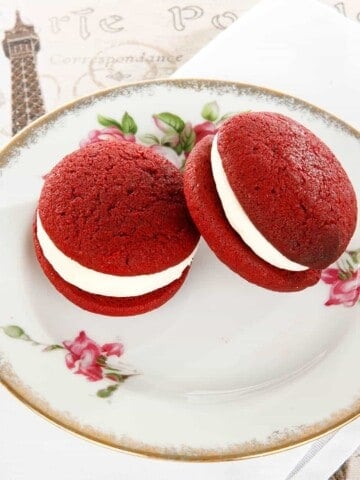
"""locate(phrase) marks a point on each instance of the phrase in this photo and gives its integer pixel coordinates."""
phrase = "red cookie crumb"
(291, 186)
(206, 211)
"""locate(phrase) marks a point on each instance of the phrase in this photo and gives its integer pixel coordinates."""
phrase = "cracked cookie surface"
(206, 210)
(118, 209)
(290, 185)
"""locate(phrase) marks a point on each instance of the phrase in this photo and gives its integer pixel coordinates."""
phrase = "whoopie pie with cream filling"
(271, 200)
(112, 231)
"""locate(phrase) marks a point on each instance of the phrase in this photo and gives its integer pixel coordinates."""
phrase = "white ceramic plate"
(225, 369)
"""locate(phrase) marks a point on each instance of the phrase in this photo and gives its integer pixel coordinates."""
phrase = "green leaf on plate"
(14, 331)
(107, 392)
(172, 120)
(187, 138)
(108, 122)
(149, 139)
(210, 111)
(101, 360)
(128, 124)
(177, 149)
(104, 393)
(355, 256)
(50, 348)
(344, 276)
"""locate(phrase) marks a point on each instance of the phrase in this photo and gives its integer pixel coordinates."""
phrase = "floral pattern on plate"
(344, 279)
(176, 139)
(85, 357)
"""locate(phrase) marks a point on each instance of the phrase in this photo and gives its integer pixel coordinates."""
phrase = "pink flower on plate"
(112, 349)
(203, 129)
(343, 291)
(85, 355)
(108, 133)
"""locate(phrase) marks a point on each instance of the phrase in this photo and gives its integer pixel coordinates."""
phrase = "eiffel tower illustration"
(21, 45)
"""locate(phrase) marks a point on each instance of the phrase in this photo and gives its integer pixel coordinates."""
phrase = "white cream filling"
(241, 223)
(102, 283)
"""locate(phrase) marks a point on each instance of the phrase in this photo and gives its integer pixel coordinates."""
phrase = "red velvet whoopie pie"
(266, 175)
(112, 231)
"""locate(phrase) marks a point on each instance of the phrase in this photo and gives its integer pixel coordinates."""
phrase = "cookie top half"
(118, 208)
(291, 186)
